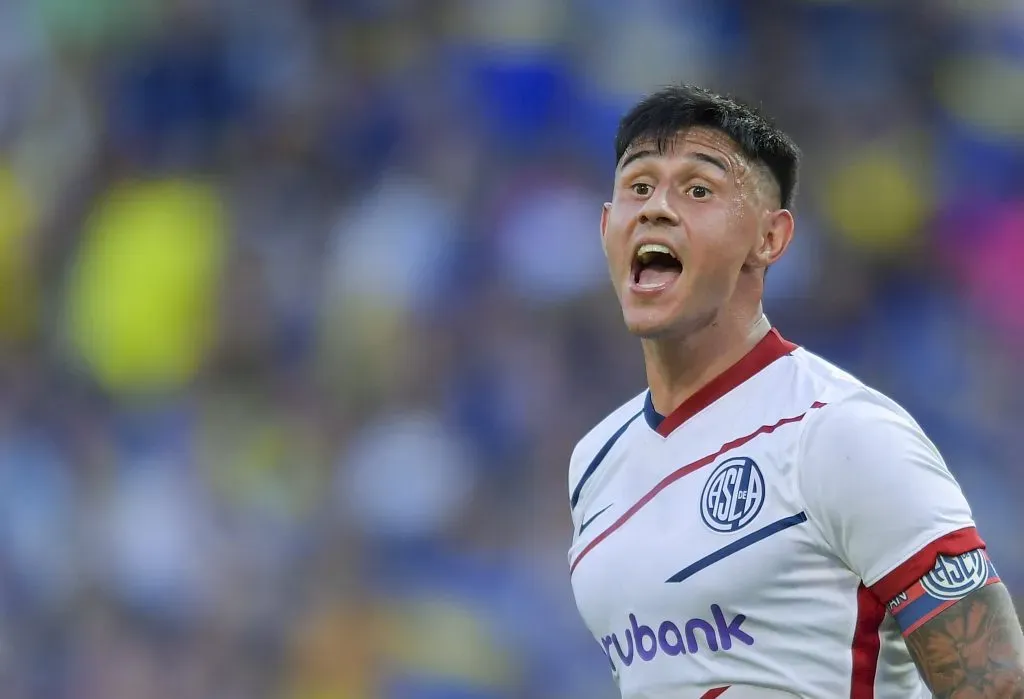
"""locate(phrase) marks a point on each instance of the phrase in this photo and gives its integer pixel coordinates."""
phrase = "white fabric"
(875, 485)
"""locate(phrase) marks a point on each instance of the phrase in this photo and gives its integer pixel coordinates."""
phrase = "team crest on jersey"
(954, 576)
(733, 496)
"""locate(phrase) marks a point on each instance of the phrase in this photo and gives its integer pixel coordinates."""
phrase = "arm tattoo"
(974, 649)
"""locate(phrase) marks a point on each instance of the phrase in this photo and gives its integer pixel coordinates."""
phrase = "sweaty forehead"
(690, 141)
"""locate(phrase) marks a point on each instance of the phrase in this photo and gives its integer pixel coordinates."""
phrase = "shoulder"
(845, 405)
(857, 432)
(875, 485)
(863, 447)
(861, 421)
(606, 431)
(829, 383)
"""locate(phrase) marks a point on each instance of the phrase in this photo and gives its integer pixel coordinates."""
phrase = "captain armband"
(949, 581)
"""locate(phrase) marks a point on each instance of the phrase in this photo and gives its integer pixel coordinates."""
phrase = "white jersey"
(749, 544)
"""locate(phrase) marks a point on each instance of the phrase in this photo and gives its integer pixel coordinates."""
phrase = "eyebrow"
(635, 155)
(697, 155)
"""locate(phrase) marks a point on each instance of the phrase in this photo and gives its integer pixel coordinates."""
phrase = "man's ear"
(605, 212)
(773, 241)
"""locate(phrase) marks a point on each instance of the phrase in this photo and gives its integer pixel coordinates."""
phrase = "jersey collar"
(773, 346)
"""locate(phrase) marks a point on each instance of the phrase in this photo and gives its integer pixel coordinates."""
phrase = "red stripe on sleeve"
(918, 565)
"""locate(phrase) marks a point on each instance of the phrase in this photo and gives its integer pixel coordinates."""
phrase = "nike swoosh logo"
(596, 515)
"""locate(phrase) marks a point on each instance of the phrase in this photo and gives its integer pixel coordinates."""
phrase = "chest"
(669, 535)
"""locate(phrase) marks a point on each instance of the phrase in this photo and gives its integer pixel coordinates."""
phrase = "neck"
(678, 368)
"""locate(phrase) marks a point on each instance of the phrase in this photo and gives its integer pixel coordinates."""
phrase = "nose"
(657, 210)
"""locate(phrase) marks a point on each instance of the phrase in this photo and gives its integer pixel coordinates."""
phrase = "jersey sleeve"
(882, 495)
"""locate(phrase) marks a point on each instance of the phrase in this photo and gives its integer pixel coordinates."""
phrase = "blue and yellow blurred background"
(303, 309)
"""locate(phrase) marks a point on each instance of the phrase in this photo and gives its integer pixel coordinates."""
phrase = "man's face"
(682, 226)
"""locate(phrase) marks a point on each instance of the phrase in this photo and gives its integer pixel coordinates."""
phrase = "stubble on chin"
(678, 331)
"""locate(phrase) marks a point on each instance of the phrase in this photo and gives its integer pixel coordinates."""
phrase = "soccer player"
(759, 523)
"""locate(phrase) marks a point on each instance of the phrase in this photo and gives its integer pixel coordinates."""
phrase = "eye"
(699, 191)
(642, 189)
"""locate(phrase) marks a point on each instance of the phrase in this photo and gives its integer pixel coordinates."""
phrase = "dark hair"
(663, 114)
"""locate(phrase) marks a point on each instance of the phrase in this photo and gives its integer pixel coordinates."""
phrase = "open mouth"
(655, 267)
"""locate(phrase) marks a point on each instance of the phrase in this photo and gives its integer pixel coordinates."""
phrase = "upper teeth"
(646, 250)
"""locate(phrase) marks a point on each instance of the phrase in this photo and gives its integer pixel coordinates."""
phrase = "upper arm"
(890, 509)
(973, 648)
(881, 494)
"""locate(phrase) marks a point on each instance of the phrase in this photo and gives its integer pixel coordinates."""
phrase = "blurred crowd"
(304, 309)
